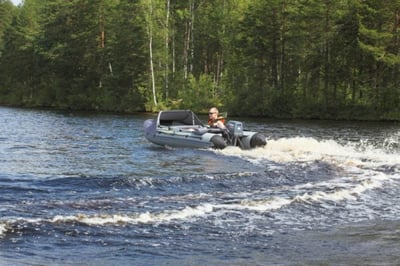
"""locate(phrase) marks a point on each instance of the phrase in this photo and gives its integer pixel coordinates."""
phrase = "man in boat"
(214, 119)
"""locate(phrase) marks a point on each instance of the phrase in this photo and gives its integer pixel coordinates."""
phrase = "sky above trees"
(16, 2)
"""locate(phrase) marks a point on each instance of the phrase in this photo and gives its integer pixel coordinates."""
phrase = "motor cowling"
(235, 128)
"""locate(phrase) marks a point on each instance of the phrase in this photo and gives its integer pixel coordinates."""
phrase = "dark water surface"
(88, 189)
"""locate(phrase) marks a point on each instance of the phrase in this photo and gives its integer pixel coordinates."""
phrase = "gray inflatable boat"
(182, 128)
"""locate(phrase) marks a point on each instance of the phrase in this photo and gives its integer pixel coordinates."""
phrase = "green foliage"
(6, 12)
(198, 94)
(308, 58)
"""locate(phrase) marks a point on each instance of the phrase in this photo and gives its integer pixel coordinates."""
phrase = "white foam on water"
(142, 218)
(347, 192)
(306, 149)
(259, 201)
(6, 224)
(3, 228)
(360, 169)
(350, 193)
(359, 175)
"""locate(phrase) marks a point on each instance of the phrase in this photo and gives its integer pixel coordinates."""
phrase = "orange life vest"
(211, 121)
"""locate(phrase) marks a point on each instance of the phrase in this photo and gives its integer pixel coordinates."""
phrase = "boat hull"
(168, 130)
(177, 136)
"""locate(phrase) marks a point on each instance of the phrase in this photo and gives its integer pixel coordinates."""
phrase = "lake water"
(88, 189)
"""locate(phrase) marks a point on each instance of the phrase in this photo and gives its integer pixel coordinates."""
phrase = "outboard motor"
(235, 132)
(245, 141)
(235, 128)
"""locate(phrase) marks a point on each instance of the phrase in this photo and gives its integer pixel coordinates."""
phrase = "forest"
(309, 59)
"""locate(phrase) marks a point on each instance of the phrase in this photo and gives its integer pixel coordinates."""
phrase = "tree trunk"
(188, 52)
(150, 33)
(166, 70)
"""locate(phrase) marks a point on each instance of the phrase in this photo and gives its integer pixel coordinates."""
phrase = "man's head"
(213, 113)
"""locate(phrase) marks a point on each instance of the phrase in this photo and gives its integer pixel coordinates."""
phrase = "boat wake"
(358, 170)
(303, 149)
(257, 204)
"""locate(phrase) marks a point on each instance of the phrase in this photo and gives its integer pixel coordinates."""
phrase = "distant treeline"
(322, 59)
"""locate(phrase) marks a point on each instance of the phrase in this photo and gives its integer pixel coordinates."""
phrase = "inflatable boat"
(182, 128)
